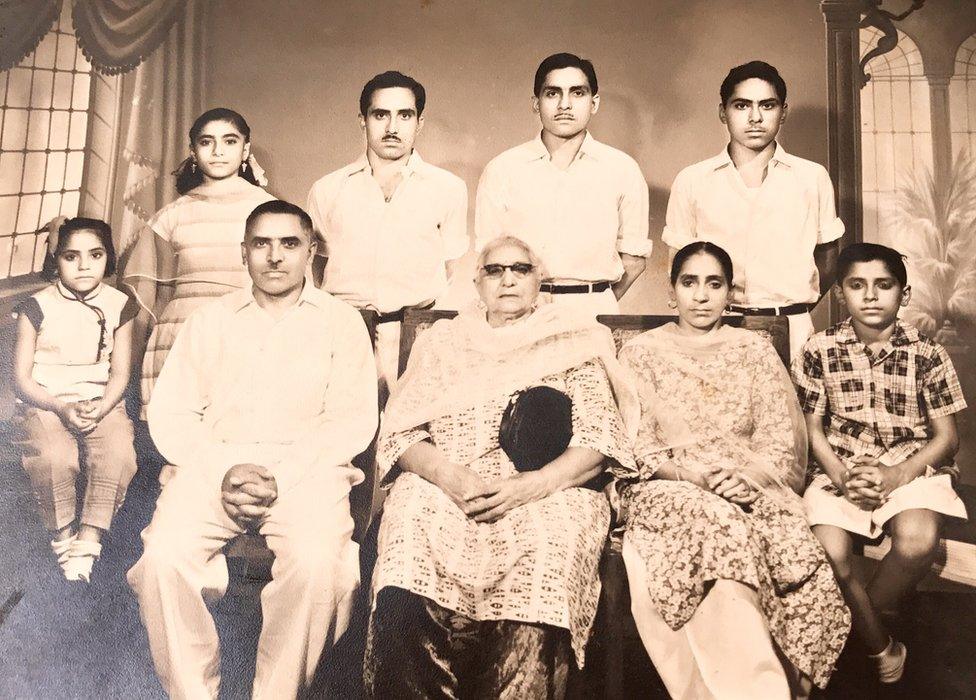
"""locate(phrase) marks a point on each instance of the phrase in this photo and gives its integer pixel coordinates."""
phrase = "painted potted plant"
(935, 227)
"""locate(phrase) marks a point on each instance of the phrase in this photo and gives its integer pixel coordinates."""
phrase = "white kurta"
(297, 395)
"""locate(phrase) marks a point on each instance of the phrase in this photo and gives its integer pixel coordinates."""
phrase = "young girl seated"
(880, 401)
(71, 367)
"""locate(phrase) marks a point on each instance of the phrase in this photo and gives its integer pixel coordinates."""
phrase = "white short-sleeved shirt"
(578, 220)
(387, 255)
(769, 231)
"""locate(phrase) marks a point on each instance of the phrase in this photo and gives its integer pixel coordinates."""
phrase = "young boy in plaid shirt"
(880, 401)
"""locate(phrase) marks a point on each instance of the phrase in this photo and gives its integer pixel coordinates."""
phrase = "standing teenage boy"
(773, 212)
(580, 204)
(392, 223)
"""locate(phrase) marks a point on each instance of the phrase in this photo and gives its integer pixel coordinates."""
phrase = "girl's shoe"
(891, 662)
(62, 549)
(81, 560)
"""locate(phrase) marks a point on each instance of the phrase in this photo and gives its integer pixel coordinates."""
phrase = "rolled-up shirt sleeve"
(318, 220)
(632, 234)
(831, 227)
(454, 227)
(489, 208)
(679, 223)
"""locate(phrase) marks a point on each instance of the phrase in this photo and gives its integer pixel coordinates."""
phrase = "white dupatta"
(462, 362)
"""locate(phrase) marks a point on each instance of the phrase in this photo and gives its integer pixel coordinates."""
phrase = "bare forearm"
(825, 258)
(114, 390)
(426, 461)
(32, 393)
(574, 467)
(825, 456)
(634, 267)
(672, 472)
(939, 450)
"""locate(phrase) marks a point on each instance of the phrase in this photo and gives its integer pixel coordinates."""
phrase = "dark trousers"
(418, 649)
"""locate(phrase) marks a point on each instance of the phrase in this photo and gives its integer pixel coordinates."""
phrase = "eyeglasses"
(496, 270)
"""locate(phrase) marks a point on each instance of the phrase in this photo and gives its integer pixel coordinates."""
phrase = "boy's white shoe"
(891, 662)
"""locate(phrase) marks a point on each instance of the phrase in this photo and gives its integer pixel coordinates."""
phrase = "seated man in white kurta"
(266, 396)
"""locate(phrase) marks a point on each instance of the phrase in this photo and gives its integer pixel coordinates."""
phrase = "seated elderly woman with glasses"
(495, 441)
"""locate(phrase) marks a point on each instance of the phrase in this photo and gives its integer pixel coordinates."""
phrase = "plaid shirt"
(879, 404)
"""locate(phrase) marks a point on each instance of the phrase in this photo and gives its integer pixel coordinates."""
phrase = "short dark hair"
(101, 229)
(279, 206)
(753, 69)
(706, 248)
(392, 79)
(564, 60)
(869, 252)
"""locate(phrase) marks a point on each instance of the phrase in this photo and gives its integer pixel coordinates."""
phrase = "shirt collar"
(780, 157)
(904, 334)
(537, 149)
(243, 298)
(414, 164)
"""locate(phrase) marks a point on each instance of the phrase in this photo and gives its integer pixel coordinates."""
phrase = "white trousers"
(306, 606)
(724, 651)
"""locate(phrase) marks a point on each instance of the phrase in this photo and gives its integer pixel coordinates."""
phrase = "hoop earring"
(672, 304)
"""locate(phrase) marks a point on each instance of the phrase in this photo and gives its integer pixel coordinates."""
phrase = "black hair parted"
(564, 60)
(869, 252)
(80, 223)
(705, 248)
(392, 79)
(188, 177)
(753, 69)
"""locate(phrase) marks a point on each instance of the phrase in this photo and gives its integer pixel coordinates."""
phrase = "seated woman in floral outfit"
(732, 595)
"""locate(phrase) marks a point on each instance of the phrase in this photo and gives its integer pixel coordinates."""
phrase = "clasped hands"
(247, 492)
(82, 416)
(868, 483)
(487, 501)
(729, 485)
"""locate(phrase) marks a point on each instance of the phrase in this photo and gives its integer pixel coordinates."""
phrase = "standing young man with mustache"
(773, 212)
(392, 223)
(580, 204)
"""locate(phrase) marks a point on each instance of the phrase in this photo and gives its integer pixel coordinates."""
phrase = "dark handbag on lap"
(536, 427)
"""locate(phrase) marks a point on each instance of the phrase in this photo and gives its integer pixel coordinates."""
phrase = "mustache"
(390, 137)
